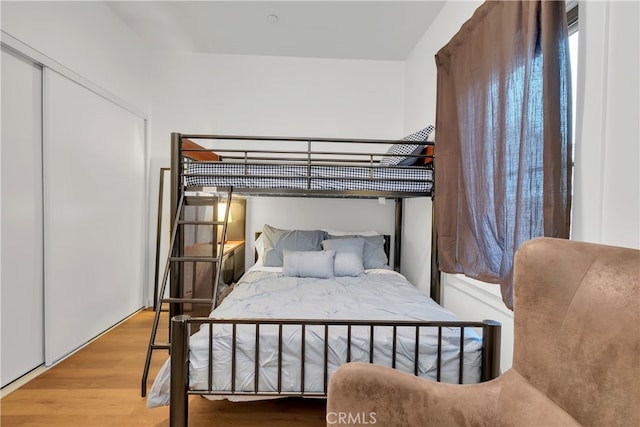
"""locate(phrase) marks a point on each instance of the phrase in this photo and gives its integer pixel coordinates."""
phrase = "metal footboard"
(181, 328)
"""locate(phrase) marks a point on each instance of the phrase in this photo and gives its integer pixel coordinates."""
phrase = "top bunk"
(292, 166)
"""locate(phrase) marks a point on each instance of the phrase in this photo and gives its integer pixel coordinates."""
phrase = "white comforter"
(376, 295)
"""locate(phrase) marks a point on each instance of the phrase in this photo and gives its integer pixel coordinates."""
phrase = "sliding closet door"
(21, 284)
(94, 170)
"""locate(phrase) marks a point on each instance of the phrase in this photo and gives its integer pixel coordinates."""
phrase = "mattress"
(377, 294)
(347, 178)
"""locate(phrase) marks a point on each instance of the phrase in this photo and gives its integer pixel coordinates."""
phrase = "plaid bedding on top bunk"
(321, 177)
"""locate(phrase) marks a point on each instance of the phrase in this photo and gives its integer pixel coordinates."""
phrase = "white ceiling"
(379, 30)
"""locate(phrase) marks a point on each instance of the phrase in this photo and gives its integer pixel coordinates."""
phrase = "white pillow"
(349, 255)
(318, 264)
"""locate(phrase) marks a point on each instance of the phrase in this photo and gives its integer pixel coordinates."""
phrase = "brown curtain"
(503, 123)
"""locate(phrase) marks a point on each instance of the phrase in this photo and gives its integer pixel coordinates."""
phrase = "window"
(572, 21)
(504, 138)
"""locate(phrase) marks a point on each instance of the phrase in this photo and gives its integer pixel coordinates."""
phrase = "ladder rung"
(160, 346)
(192, 259)
(200, 200)
(187, 300)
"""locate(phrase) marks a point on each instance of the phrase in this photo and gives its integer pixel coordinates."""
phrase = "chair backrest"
(577, 327)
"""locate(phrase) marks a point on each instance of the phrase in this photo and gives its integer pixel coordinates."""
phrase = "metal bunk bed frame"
(180, 325)
(178, 188)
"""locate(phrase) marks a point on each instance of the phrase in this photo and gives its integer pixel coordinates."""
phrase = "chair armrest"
(362, 394)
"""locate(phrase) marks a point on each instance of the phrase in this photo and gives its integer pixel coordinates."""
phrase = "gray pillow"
(276, 240)
(349, 255)
(374, 255)
(317, 264)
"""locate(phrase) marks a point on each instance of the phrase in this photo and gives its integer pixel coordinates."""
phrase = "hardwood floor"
(100, 386)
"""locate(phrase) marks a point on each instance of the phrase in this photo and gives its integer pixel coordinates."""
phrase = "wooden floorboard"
(100, 386)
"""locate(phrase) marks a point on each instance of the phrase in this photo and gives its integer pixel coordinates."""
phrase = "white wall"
(303, 213)
(258, 95)
(416, 242)
(87, 38)
(420, 110)
(607, 179)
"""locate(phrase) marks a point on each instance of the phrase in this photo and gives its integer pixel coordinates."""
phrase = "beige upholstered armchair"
(576, 353)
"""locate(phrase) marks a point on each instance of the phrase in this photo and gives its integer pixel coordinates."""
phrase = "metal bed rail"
(181, 328)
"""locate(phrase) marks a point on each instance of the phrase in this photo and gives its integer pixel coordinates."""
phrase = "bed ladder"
(176, 256)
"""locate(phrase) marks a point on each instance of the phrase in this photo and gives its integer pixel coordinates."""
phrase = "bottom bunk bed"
(284, 329)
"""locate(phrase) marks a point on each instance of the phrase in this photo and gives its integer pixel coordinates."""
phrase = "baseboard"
(19, 382)
(485, 294)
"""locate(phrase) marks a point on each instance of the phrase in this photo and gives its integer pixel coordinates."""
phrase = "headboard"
(387, 245)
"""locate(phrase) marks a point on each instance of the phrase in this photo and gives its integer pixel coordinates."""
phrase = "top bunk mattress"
(314, 177)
